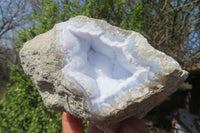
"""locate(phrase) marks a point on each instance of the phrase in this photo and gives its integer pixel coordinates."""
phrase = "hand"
(71, 124)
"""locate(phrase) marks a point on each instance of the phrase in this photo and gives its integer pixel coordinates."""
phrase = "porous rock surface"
(99, 72)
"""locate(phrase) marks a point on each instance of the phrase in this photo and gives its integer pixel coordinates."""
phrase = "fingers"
(133, 125)
(93, 129)
(71, 124)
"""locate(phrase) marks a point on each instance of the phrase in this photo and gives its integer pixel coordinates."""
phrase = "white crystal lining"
(101, 64)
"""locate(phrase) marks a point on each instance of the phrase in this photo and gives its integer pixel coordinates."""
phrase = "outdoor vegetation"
(171, 26)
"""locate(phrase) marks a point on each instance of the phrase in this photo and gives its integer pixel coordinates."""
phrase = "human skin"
(72, 124)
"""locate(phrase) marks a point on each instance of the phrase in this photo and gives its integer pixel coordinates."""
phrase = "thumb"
(71, 124)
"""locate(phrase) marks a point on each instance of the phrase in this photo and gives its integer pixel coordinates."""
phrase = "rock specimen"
(99, 72)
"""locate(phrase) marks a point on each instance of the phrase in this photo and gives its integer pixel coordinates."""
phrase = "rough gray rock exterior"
(43, 60)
